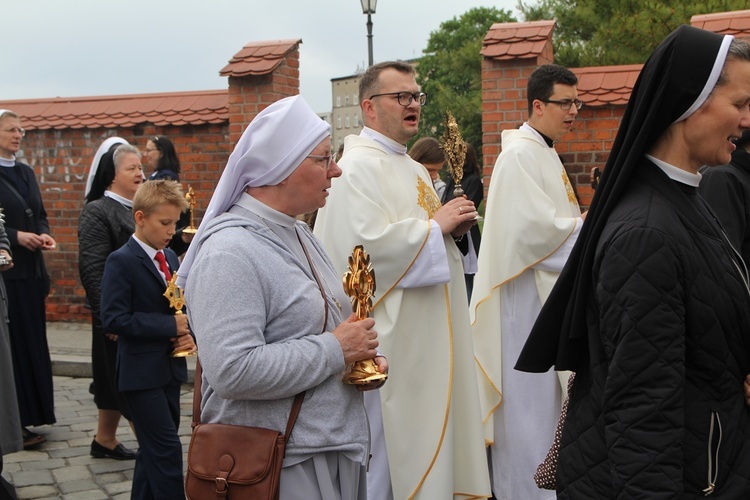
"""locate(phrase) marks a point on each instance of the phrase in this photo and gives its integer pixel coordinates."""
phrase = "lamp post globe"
(368, 7)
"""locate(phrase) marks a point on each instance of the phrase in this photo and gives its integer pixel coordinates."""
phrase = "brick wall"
(61, 159)
(503, 104)
(588, 146)
(249, 95)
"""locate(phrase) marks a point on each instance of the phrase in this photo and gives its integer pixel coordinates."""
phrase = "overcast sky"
(74, 48)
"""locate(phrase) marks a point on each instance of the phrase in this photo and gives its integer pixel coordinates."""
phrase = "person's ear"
(537, 107)
(368, 107)
(139, 217)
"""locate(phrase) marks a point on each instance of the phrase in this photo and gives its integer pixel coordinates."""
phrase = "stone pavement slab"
(62, 468)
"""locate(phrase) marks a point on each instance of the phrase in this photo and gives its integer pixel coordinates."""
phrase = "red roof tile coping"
(259, 58)
(171, 108)
(725, 23)
(517, 40)
(602, 85)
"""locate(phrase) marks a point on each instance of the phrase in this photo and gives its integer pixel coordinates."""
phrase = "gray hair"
(123, 150)
(739, 50)
(6, 113)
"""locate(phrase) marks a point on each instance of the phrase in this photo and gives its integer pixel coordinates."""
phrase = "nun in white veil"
(268, 311)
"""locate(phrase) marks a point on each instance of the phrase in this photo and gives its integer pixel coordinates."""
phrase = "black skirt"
(32, 367)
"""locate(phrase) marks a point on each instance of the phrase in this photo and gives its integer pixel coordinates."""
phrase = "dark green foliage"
(450, 72)
(614, 32)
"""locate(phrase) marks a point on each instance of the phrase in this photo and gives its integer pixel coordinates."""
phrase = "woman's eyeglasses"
(15, 130)
(328, 159)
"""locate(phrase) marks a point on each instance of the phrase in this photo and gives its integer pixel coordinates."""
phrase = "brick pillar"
(504, 103)
(249, 95)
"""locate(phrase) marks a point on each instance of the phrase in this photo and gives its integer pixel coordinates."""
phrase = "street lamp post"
(368, 7)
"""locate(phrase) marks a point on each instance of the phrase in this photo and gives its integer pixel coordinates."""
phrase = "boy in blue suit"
(133, 306)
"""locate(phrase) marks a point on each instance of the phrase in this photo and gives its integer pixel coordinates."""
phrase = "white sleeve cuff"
(431, 265)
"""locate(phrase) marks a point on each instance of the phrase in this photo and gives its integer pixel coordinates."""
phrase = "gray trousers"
(325, 476)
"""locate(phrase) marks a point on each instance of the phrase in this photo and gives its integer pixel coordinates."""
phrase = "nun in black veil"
(652, 311)
(105, 224)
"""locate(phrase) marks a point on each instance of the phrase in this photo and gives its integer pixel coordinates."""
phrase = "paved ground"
(62, 467)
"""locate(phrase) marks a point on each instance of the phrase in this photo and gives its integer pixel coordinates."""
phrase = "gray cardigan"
(257, 314)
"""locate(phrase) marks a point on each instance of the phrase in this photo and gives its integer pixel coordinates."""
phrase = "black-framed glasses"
(406, 98)
(565, 104)
(16, 130)
(328, 159)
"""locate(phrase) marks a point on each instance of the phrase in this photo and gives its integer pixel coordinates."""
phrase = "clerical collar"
(8, 162)
(385, 141)
(264, 211)
(121, 199)
(528, 128)
(675, 173)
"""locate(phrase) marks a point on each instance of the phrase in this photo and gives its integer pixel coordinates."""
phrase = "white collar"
(676, 173)
(109, 194)
(8, 162)
(385, 141)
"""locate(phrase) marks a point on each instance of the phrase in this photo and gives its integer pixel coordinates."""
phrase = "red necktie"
(163, 265)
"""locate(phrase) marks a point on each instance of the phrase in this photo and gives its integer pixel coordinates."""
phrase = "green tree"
(613, 32)
(450, 72)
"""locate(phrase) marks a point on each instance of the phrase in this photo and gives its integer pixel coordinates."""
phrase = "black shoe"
(118, 453)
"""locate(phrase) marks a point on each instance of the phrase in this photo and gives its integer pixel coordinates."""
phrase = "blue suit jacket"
(134, 307)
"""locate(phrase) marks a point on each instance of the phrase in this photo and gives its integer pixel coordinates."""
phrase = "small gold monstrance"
(454, 147)
(359, 284)
(177, 302)
(190, 197)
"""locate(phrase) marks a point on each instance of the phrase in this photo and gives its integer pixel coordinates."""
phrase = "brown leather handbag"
(235, 461)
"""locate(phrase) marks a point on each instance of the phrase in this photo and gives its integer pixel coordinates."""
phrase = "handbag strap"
(197, 382)
(317, 279)
(29, 213)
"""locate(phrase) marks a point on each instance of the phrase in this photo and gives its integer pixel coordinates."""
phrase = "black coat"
(103, 226)
(668, 330)
(27, 264)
